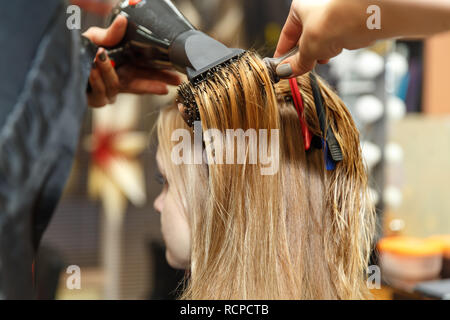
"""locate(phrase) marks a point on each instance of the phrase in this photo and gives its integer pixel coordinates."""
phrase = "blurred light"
(396, 225)
(371, 154)
(396, 69)
(393, 153)
(369, 65)
(393, 197)
(369, 108)
(396, 108)
(397, 65)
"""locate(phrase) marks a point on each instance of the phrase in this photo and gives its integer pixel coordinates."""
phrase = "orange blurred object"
(410, 246)
(445, 242)
(411, 258)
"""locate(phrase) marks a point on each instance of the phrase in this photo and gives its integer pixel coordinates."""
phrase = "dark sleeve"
(44, 69)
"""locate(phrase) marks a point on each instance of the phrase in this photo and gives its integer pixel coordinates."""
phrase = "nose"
(158, 203)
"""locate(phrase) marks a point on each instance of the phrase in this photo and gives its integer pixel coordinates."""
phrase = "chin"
(176, 263)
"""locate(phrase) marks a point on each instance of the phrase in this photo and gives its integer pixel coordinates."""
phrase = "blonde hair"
(302, 233)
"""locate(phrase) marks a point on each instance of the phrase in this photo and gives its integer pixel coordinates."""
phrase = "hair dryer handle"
(118, 56)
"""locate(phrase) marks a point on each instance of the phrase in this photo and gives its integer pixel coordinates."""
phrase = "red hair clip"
(298, 102)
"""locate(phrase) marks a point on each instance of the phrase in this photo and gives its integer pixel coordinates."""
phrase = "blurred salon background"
(399, 95)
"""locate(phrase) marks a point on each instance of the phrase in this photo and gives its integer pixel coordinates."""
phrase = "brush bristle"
(187, 95)
(209, 74)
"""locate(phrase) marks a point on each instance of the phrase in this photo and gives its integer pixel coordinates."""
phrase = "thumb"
(108, 37)
(295, 66)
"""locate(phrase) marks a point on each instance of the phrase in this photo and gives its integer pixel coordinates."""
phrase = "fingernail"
(102, 56)
(181, 108)
(284, 70)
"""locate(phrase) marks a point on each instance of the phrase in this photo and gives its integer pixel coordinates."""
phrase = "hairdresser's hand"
(320, 28)
(106, 82)
(323, 28)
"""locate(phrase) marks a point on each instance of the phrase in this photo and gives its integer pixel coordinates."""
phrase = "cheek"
(176, 232)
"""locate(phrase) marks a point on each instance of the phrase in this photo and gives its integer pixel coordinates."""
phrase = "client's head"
(249, 211)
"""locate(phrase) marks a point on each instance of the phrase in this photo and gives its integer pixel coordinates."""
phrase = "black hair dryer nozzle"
(159, 36)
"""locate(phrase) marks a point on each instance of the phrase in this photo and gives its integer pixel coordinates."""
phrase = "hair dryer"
(159, 36)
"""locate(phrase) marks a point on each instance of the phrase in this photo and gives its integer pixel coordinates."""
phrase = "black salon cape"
(44, 68)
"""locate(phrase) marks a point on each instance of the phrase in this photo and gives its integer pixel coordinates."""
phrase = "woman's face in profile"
(174, 224)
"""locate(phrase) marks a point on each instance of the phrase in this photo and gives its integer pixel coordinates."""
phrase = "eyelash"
(160, 179)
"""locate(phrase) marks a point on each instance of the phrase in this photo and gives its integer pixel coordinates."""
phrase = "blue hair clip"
(329, 162)
(330, 146)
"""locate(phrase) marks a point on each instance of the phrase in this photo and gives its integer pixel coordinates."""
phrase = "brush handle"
(318, 103)
(118, 56)
(273, 63)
